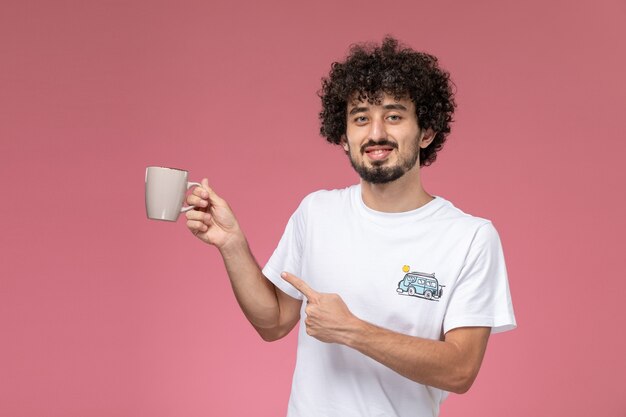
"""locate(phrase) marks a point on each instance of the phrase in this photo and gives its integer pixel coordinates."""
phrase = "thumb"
(214, 199)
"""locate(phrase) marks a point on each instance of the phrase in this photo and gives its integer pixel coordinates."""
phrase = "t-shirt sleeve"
(481, 295)
(288, 254)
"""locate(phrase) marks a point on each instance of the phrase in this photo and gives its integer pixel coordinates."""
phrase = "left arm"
(451, 364)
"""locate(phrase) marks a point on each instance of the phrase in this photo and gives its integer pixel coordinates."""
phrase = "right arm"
(270, 311)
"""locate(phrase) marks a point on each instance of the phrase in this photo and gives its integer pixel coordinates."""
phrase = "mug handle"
(189, 185)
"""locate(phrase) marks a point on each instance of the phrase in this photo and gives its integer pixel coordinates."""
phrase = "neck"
(404, 194)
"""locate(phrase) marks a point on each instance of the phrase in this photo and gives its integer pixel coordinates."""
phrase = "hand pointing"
(328, 319)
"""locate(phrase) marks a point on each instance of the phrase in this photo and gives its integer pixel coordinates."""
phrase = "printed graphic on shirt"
(419, 284)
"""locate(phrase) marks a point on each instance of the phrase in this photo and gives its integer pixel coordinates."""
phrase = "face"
(383, 140)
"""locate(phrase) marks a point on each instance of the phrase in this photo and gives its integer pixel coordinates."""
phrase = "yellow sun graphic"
(406, 268)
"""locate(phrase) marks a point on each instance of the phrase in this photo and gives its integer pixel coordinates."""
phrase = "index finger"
(202, 191)
(301, 286)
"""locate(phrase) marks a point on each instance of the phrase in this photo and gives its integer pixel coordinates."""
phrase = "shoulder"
(474, 225)
(327, 199)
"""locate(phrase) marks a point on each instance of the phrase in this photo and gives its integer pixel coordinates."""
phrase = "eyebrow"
(395, 106)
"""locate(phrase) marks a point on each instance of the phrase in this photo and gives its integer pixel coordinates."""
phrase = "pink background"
(104, 313)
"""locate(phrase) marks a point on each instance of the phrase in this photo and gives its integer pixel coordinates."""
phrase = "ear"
(428, 136)
(344, 143)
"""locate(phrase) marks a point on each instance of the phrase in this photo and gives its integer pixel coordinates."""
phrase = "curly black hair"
(371, 70)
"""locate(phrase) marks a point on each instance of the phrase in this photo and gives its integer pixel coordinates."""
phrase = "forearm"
(270, 312)
(451, 364)
(254, 293)
(441, 364)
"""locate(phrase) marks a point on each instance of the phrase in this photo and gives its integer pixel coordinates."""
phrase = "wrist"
(356, 331)
(234, 245)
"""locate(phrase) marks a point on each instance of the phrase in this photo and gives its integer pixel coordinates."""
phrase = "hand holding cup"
(212, 220)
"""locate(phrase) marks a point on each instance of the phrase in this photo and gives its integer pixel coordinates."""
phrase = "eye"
(360, 119)
(394, 118)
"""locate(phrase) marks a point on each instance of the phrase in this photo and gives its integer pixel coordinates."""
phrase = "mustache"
(383, 142)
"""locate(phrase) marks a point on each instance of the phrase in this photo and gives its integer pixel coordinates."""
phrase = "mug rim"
(173, 169)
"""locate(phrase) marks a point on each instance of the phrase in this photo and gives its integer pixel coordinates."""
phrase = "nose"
(377, 130)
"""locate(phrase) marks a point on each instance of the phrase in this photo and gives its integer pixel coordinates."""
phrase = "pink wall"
(104, 313)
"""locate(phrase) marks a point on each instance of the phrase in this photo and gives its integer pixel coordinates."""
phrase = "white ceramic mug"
(166, 189)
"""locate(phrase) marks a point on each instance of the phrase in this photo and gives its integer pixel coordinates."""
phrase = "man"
(401, 289)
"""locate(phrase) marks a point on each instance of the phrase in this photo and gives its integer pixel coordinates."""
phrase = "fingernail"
(283, 274)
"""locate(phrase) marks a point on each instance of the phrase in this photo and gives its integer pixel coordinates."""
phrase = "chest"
(399, 278)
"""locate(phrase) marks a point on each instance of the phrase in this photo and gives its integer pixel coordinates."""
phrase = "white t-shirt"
(420, 273)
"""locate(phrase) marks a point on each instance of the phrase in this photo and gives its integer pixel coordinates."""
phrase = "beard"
(378, 173)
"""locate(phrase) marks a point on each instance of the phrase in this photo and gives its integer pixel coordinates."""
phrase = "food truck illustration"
(420, 284)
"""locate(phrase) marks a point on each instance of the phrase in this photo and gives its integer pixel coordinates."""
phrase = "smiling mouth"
(378, 151)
